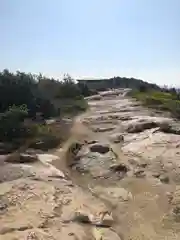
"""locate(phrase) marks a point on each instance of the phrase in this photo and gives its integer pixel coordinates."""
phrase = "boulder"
(164, 179)
(100, 148)
(81, 217)
(75, 147)
(105, 234)
(141, 123)
(156, 175)
(27, 158)
(47, 158)
(104, 129)
(91, 141)
(143, 165)
(55, 173)
(173, 128)
(141, 126)
(139, 173)
(106, 221)
(125, 118)
(22, 158)
(3, 205)
(119, 193)
(119, 167)
(117, 138)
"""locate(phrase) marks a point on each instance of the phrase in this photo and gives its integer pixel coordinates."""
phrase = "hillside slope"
(117, 82)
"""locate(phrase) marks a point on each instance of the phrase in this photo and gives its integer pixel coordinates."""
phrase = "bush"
(74, 107)
(165, 101)
(143, 88)
(85, 91)
(45, 138)
(12, 123)
(27, 100)
(38, 93)
(49, 136)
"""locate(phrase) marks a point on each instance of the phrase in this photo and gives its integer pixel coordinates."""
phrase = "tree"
(142, 88)
(85, 91)
(68, 89)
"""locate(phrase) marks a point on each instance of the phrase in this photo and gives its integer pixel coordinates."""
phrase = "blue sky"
(92, 38)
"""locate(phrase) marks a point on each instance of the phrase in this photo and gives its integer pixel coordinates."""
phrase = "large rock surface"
(147, 155)
(132, 182)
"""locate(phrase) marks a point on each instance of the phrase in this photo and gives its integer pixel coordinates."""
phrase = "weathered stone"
(81, 217)
(117, 138)
(22, 158)
(3, 205)
(106, 221)
(156, 175)
(75, 147)
(119, 167)
(139, 173)
(105, 234)
(47, 158)
(143, 165)
(27, 158)
(99, 148)
(118, 193)
(164, 179)
(173, 128)
(140, 126)
(104, 129)
(91, 141)
(125, 118)
(33, 151)
(95, 97)
(169, 196)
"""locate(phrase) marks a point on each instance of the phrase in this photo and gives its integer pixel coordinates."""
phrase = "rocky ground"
(117, 177)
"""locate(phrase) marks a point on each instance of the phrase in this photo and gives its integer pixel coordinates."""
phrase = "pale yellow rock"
(105, 234)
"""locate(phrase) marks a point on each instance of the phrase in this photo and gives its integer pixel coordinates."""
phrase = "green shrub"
(12, 123)
(143, 88)
(49, 136)
(45, 140)
(74, 107)
(165, 101)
